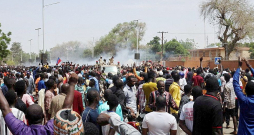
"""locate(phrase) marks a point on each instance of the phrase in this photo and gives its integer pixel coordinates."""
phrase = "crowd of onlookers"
(74, 99)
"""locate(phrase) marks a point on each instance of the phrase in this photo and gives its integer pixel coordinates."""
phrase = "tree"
(87, 53)
(214, 45)
(72, 49)
(188, 44)
(173, 47)
(122, 36)
(233, 18)
(4, 42)
(16, 52)
(251, 46)
(155, 44)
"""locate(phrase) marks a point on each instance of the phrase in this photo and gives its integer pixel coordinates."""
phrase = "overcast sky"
(81, 20)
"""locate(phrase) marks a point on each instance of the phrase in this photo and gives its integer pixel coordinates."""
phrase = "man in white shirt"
(159, 122)
(186, 116)
(11, 98)
(130, 93)
(113, 103)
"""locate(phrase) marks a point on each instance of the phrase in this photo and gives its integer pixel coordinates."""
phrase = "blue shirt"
(41, 85)
(81, 90)
(246, 120)
(96, 83)
(105, 107)
(90, 115)
(4, 89)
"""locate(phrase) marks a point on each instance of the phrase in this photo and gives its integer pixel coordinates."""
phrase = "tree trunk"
(226, 53)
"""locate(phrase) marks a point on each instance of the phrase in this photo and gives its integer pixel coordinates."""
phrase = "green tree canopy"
(175, 47)
(123, 35)
(60, 50)
(188, 44)
(233, 18)
(4, 42)
(155, 44)
(87, 53)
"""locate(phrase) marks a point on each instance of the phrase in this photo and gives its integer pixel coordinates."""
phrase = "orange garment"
(64, 80)
(36, 84)
(129, 74)
(138, 77)
(204, 92)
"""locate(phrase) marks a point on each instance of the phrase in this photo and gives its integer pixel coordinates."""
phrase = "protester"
(113, 103)
(186, 116)
(130, 94)
(41, 83)
(78, 103)
(186, 97)
(149, 87)
(11, 98)
(229, 102)
(30, 87)
(245, 102)
(90, 114)
(161, 92)
(58, 101)
(105, 106)
(207, 111)
(174, 90)
(4, 86)
(20, 88)
(159, 122)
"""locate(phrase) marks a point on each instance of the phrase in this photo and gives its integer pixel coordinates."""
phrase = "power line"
(162, 32)
(190, 33)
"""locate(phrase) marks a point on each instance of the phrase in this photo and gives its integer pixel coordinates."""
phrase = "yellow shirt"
(174, 90)
(148, 88)
(160, 79)
(244, 84)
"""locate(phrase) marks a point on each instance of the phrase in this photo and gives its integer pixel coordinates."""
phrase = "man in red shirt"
(77, 102)
(198, 80)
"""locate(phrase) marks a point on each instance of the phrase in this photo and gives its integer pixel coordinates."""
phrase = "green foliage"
(233, 18)
(214, 45)
(251, 45)
(188, 44)
(87, 53)
(10, 63)
(16, 53)
(123, 35)
(175, 47)
(60, 50)
(155, 44)
(4, 42)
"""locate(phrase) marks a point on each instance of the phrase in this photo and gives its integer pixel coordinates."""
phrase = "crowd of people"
(79, 99)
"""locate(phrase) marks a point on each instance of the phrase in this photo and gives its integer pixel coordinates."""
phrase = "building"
(210, 53)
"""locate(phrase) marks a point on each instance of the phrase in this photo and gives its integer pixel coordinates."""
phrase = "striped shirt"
(4, 130)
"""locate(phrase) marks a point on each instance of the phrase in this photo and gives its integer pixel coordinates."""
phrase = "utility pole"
(30, 46)
(137, 34)
(162, 32)
(38, 29)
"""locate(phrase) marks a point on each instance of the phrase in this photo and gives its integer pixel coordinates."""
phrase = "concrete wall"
(233, 64)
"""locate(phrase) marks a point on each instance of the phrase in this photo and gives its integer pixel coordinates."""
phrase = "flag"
(58, 61)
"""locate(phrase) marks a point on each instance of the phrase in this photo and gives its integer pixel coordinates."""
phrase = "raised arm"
(248, 65)
(4, 106)
(119, 126)
(70, 95)
(221, 68)
(237, 88)
(135, 73)
(201, 59)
